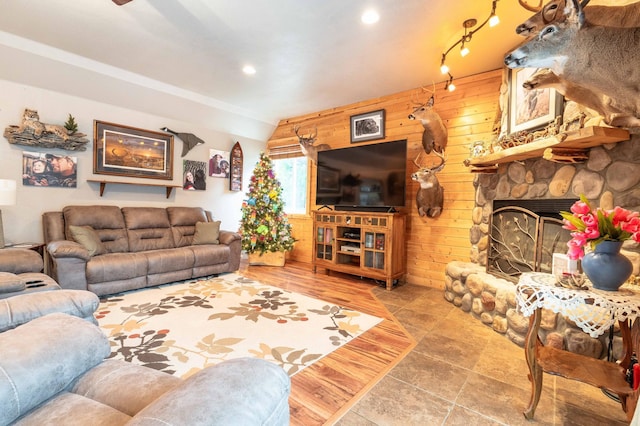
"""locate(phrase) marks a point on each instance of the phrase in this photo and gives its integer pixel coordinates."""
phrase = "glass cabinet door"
(324, 243)
(374, 246)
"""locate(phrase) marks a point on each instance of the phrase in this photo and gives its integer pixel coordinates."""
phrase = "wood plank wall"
(469, 114)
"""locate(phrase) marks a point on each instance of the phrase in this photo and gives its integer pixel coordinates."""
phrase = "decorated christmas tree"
(264, 226)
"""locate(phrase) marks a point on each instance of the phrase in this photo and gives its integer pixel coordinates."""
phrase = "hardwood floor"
(323, 392)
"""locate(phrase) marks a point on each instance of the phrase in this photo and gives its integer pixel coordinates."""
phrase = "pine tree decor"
(264, 226)
(71, 125)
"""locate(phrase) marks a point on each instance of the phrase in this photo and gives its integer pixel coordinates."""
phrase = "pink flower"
(580, 208)
(620, 215)
(579, 239)
(568, 225)
(575, 251)
(592, 226)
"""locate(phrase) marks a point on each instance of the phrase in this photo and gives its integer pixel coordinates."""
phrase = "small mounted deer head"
(435, 134)
(306, 144)
(430, 195)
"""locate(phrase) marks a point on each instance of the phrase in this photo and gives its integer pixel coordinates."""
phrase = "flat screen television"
(363, 178)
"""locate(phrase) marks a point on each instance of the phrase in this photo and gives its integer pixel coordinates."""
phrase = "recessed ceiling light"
(249, 70)
(370, 17)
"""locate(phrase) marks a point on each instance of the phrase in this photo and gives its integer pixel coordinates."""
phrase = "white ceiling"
(181, 58)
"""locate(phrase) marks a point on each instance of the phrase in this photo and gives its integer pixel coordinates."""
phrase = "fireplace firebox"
(524, 235)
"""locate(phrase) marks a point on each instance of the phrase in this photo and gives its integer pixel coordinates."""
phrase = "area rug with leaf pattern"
(184, 327)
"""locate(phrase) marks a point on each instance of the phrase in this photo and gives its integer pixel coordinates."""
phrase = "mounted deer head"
(435, 134)
(600, 59)
(607, 16)
(554, 11)
(306, 144)
(430, 195)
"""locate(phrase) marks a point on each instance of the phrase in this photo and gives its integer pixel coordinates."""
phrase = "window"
(292, 175)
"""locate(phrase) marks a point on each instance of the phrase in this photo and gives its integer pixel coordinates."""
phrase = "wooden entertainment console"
(359, 243)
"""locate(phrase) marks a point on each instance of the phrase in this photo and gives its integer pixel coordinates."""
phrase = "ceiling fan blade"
(121, 2)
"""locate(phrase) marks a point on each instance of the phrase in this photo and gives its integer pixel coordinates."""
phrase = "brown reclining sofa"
(129, 248)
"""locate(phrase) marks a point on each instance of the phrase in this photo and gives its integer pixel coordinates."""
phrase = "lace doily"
(594, 311)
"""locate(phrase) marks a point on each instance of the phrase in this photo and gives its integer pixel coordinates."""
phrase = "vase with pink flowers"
(597, 236)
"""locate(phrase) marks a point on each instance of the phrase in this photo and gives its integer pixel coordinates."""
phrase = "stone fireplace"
(484, 286)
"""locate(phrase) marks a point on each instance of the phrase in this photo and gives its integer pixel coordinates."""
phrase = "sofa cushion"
(116, 267)
(107, 221)
(43, 357)
(148, 228)
(207, 233)
(10, 282)
(161, 261)
(183, 223)
(89, 239)
(69, 409)
(124, 386)
(233, 385)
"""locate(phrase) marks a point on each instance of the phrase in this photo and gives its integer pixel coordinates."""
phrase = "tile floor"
(463, 373)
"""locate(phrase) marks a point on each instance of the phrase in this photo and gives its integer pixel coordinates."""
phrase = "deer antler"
(311, 137)
(531, 8)
(434, 169)
(416, 160)
(440, 166)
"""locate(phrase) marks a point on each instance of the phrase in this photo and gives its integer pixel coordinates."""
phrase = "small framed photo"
(219, 163)
(49, 170)
(368, 126)
(127, 151)
(531, 109)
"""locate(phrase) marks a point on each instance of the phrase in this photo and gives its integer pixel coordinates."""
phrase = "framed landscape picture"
(128, 151)
(368, 126)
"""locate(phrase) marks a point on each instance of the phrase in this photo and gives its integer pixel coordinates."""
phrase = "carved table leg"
(535, 371)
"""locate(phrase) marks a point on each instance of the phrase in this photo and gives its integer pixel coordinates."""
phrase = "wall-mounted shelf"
(577, 140)
(103, 184)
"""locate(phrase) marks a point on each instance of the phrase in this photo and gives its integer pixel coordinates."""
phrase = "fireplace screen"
(523, 241)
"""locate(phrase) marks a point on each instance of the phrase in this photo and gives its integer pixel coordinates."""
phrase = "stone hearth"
(492, 300)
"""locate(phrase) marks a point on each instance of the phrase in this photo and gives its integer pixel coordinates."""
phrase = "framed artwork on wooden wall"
(128, 151)
(531, 109)
(368, 126)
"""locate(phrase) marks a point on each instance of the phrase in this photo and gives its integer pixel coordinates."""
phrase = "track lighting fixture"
(468, 24)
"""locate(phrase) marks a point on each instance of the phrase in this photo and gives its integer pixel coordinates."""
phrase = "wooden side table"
(594, 311)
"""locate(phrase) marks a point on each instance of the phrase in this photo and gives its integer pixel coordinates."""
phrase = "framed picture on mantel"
(531, 109)
(128, 151)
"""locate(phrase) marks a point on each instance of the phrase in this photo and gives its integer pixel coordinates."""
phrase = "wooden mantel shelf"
(103, 184)
(580, 139)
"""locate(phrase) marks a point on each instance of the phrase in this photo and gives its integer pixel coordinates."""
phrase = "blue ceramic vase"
(606, 267)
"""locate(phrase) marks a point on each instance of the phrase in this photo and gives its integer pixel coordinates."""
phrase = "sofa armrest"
(228, 237)
(244, 391)
(18, 261)
(42, 358)
(65, 248)
(68, 264)
(20, 309)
